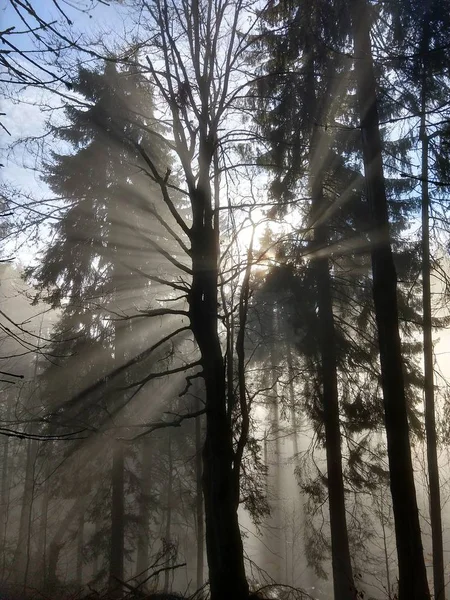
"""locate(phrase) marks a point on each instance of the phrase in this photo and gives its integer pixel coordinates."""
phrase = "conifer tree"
(420, 43)
(291, 114)
(95, 265)
(412, 574)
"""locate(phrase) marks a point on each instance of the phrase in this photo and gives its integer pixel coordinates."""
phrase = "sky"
(27, 109)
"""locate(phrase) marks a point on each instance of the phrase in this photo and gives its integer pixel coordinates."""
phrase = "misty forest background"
(224, 299)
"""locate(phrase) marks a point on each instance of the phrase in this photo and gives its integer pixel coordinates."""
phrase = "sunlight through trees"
(224, 300)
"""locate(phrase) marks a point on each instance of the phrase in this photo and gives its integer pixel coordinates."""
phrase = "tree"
(291, 48)
(424, 74)
(412, 574)
(104, 136)
(298, 146)
(197, 48)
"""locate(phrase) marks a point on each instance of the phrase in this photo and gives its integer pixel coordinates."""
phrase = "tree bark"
(223, 538)
(413, 584)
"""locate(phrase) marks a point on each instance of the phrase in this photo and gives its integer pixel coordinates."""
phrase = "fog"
(224, 291)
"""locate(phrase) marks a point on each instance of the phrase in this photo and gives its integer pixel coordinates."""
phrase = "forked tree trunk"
(413, 584)
(223, 537)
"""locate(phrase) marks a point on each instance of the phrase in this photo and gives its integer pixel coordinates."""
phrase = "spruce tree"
(412, 574)
(95, 266)
(293, 151)
(420, 43)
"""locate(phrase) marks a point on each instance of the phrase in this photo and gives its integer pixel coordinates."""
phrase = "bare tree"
(196, 63)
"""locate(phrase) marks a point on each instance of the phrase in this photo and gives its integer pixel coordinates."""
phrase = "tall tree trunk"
(343, 583)
(199, 499)
(21, 558)
(223, 537)
(430, 417)
(57, 544)
(142, 560)
(117, 520)
(413, 584)
(168, 532)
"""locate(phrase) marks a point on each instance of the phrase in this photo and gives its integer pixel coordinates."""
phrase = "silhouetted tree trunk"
(413, 584)
(22, 554)
(197, 145)
(223, 537)
(142, 559)
(343, 583)
(430, 417)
